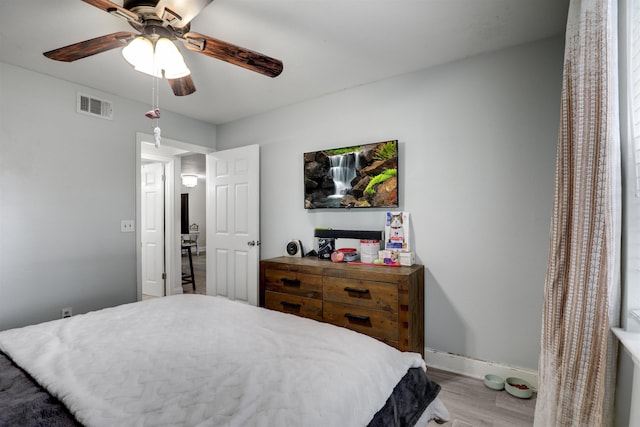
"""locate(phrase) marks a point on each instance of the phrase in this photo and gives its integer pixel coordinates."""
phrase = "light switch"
(127, 225)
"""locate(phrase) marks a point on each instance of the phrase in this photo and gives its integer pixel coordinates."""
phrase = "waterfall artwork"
(343, 170)
(361, 176)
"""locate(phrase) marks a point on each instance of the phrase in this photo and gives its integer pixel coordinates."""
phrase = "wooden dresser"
(383, 302)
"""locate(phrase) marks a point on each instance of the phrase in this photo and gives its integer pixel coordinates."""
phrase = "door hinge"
(164, 276)
(164, 177)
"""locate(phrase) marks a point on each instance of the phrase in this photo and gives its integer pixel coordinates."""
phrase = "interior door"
(233, 227)
(152, 235)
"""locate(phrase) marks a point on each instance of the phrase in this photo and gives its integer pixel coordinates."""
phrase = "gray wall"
(66, 181)
(478, 144)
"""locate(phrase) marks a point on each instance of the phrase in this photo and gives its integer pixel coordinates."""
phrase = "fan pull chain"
(154, 113)
(156, 129)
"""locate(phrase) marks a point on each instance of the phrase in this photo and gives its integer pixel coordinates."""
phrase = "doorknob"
(251, 243)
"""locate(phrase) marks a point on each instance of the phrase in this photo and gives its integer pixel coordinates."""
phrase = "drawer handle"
(356, 317)
(357, 291)
(290, 304)
(290, 282)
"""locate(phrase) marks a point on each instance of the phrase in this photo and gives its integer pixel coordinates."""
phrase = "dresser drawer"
(376, 323)
(302, 306)
(382, 302)
(363, 293)
(294, 283)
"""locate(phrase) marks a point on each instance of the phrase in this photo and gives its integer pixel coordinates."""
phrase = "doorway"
(193, 224)
(170, 154)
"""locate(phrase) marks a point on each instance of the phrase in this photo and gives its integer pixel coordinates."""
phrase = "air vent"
(94, 106)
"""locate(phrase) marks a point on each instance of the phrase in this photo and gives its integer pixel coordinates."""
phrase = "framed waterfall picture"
(361, 176)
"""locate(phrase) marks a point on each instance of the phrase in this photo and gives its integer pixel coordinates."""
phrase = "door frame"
(169, 153)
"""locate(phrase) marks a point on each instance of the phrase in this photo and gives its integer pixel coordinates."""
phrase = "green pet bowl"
(518, 387)
(494, 382)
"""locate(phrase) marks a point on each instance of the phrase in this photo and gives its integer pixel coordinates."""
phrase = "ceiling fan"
(166, 19)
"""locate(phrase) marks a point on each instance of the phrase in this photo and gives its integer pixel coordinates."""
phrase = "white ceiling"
(326, 45)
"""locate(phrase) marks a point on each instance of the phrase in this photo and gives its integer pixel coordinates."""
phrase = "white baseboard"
(476, 368)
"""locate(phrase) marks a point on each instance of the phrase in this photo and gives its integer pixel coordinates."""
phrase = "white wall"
(477, 159)
(66, 181)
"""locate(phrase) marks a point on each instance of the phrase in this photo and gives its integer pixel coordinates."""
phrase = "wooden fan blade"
(179, 13)
(182, 86)
(90, 47)
(233, 54)
(114, 9)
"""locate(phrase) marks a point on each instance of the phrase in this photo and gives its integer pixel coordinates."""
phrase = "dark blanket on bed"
(24, 403)
(408, 401)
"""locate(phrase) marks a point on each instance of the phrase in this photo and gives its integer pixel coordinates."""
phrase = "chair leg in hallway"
(186, 278)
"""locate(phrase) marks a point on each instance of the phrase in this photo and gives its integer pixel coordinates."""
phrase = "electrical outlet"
(127, 225)
(66, 312)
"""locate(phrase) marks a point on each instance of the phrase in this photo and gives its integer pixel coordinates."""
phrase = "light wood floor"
(471, 403)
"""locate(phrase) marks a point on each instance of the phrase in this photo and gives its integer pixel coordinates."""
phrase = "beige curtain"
(578, 351)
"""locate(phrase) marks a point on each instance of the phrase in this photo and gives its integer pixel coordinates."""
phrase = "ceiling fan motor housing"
(152, 25)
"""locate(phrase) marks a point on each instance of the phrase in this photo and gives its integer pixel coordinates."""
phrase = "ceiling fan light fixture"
(169, 59)
(189, 181)
(141, 53)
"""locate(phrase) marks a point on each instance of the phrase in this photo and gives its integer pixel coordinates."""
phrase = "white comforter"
(198, 360)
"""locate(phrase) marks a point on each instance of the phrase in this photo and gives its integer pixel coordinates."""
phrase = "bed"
(200, 360)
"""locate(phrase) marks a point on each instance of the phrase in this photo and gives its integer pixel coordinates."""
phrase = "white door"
(233, 226)
(152, 229)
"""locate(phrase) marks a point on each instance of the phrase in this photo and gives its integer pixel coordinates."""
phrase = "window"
(634, 85)
(629, 72)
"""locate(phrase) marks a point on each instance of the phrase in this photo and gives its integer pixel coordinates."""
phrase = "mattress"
(198, 360)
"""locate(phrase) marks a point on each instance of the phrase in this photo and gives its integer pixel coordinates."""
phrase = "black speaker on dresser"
(293, 249)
